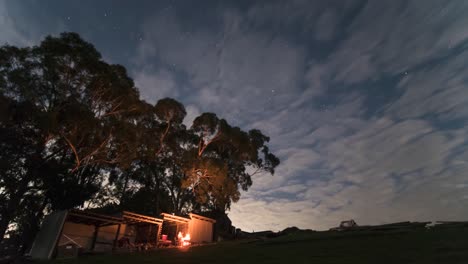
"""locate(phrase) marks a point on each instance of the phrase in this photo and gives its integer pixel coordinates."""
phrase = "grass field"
(424, 246)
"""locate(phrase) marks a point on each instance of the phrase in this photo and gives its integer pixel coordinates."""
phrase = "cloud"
(262, 214)
(364, 101)
(397, 167)
(235, 72)
(325, 26)
(11, 32)
(27, 23)
(157, 84)
(387, 171)
(344, 153)
(438, 90)
(303, 17)
(192, 113)
(394, 37)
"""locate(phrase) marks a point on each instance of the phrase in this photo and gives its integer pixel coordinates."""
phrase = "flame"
(185, 240)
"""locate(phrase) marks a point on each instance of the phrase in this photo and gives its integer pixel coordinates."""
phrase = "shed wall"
(83, 235)
(200, 231)
(48, 235)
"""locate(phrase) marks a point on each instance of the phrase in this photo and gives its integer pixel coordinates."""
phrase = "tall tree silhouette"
(74, 131)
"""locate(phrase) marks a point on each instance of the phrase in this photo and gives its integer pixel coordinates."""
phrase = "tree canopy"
(75, 133)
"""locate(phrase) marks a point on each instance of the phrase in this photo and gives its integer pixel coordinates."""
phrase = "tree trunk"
(34, 227)
(3, 226)
(7, 214)
(122, 195)
(154, 172)
(157, 196)
(11, 207)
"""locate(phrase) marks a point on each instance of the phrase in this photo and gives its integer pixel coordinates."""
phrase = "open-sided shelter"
(199, 227)
(92, 232)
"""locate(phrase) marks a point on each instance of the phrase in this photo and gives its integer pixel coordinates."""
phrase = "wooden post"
(116, 237)
(148, 236)
(158, 234)
(95, 234)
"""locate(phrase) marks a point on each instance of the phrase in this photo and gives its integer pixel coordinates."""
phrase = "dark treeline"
(75, 134)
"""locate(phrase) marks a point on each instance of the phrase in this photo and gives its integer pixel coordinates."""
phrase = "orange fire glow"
(184, 240)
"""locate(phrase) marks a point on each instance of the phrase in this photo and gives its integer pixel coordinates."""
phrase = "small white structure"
(348, 224)
(344, 225)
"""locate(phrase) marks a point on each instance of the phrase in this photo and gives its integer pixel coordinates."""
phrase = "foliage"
(74, 133)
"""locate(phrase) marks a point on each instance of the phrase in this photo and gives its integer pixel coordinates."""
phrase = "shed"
(199, 227)
(87, 231)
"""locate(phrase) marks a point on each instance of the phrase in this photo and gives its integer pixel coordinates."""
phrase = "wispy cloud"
(236, 72)
(157, 84)
(341, 157)
(365, 101)
(11, 32)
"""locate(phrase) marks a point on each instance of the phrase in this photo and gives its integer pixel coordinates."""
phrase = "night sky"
(366, 102)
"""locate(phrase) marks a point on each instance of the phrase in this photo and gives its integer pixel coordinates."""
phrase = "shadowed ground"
(423, 246)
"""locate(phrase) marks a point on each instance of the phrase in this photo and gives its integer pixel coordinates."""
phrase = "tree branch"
(256, 171)
(87, 157)
(77, 158)
(202, 146)
(161, 141)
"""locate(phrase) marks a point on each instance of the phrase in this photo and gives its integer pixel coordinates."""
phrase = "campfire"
(184, 240)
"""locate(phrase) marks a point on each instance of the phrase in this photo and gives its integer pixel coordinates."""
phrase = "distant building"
(348, 224)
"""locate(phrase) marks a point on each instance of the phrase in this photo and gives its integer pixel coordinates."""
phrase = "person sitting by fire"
(124, 242)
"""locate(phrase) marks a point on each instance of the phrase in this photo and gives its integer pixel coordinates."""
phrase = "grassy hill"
(438, 245)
